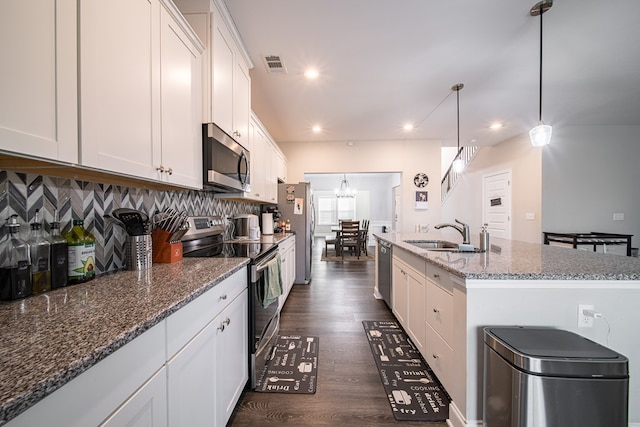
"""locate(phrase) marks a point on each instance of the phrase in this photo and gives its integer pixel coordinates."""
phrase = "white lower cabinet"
(146, 408)
(287, 249)
(188, 370)
(409, 291)
(207, 374)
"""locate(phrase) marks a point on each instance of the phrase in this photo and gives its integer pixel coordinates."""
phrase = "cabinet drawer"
(439, 356)
(440, 277)
(439, 305)
(191, 319)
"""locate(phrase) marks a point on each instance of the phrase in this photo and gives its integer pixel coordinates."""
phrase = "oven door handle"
(262, 265)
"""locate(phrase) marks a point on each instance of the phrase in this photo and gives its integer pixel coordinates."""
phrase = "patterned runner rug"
(293, 368)
(414, 392)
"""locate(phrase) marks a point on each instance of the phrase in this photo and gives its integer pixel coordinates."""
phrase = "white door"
(396, 209)
(496, 204)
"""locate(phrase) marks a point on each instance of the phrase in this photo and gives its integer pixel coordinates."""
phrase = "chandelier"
(345, 191)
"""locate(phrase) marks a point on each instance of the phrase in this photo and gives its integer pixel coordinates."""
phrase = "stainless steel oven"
(205, 239)
(225, 162)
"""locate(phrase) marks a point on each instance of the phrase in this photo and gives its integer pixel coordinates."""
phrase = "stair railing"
(451, 176)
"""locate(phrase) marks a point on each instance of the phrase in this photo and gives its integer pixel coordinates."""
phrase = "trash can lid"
(555, 352)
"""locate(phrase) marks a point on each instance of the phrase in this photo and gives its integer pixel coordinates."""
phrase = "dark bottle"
(15, 271)
(40, 266)
(59, 255)
(82, 253)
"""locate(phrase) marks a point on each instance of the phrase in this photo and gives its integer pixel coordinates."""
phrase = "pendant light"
(345, 191)
(541, 134)
(458, 163)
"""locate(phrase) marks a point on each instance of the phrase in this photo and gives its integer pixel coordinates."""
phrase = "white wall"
(590, 173)
(406, 157)
(524, 161)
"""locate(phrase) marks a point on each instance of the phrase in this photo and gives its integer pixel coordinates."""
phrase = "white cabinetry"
(38, 107)
(207, 344)
(188, 370)
(109, 390)
(226, 82)
(139, 91)
(408, 276)
(287, 249)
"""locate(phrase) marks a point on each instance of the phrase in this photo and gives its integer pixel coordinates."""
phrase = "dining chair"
(364, 236)
(350, 237)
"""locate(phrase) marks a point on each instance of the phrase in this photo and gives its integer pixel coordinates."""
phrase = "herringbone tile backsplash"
(22, 194)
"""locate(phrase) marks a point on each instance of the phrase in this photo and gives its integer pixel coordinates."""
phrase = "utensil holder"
(137, 252)
(163, 250)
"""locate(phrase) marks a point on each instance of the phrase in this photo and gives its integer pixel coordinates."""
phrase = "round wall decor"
(421, 180)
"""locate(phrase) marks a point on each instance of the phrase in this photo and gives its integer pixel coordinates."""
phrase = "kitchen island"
(444, 299)
(49, 340)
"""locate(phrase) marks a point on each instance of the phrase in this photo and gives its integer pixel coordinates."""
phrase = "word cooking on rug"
(293, 367)
(414, 392)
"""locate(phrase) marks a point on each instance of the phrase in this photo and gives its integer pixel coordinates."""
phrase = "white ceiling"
(385, 62)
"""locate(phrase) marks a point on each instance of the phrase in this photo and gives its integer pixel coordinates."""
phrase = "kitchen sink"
(438, 245)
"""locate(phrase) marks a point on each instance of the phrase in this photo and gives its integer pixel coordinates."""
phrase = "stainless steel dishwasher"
(384, 270)
(545, 377)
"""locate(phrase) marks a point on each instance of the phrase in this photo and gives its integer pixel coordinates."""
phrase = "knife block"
(163, 250)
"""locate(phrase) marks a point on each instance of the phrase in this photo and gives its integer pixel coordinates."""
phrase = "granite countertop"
(515, 260)
(51, 338)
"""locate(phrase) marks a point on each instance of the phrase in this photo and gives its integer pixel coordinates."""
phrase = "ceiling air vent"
(275, 64)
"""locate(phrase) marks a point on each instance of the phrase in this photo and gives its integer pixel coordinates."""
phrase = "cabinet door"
(119, 86)
(232, 356)
(416, 306)
(38, 107)
(223, 69)
(191, 377)
(241, 100)
(259, 162)
(146, 408)
(399, 297)
(181, 102)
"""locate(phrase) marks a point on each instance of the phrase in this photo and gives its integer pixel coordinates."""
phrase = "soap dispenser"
(484, 238)
(15, 269)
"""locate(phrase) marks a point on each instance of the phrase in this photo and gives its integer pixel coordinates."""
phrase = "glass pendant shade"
(345, 191)
(540, 135)
(458, 165)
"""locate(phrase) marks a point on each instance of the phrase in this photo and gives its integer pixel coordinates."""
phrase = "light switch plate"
(530, 216)
(618, 217)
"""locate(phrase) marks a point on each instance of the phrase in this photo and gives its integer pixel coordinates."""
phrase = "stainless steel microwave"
(225, 162)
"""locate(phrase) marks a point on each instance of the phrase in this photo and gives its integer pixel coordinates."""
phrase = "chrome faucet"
(462, 229)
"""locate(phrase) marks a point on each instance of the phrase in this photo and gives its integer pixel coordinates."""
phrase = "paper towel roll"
(267, 223)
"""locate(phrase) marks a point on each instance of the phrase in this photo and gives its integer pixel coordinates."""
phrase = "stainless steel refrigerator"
(295, 203)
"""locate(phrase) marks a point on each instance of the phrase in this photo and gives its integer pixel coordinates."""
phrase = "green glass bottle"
(82, 253)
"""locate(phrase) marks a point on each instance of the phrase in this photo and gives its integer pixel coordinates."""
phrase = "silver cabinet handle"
(224, 324)
(436, 276)
(170, 171)
(160, 169)
(435, 310)
(435, 356)
(223, 297)
(226, 321)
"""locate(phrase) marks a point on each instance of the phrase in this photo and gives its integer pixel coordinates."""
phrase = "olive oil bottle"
(82, 253)
(40, 265)
(15, 269)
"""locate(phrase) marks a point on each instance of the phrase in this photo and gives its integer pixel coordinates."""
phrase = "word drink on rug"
(293, 367)
(414, 392)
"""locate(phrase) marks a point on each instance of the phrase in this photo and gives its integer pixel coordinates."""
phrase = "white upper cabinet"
(38, 106)
(226, 80)
(139, 91)
(180, 88)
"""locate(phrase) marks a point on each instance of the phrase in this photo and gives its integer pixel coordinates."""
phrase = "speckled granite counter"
(49, 339)
(514, 260)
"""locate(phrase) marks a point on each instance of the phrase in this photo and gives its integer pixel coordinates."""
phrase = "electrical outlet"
(584, 321)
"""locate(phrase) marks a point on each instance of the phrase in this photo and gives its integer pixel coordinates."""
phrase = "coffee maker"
(272, 211)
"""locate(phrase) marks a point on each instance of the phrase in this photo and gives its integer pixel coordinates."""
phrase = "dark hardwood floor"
(349, 390)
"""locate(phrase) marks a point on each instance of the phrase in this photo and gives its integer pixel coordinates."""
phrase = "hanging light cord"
(458, 116)
(434, 109)
(540, 91)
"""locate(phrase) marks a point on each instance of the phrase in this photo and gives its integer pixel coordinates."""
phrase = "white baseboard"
(457, 420)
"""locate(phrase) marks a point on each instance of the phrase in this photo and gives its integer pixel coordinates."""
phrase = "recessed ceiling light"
(316, 129)
(408, 127)
(495, 125)
(311, 73)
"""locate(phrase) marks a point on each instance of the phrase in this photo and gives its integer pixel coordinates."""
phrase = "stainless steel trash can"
(545, 377)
